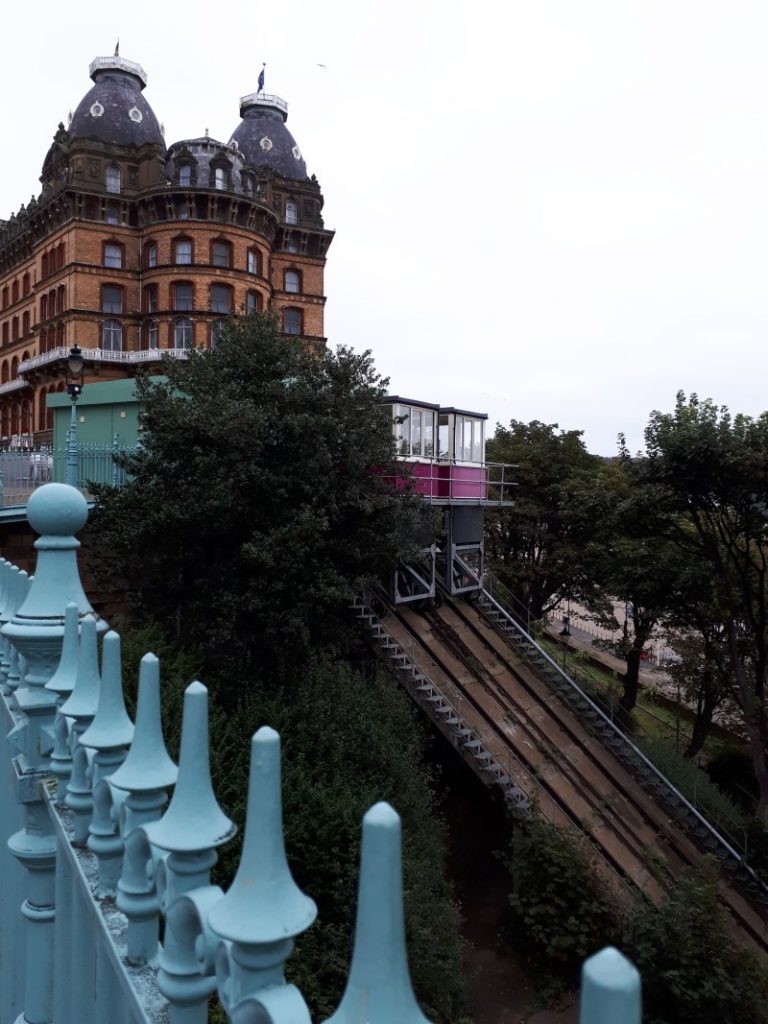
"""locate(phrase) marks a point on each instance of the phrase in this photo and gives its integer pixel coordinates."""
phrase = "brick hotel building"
(134, 248)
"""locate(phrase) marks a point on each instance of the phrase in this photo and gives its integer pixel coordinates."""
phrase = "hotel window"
(150, 255)
(221, 298)
(152, 335)
(150, 298)
(111, 298)
(185, 175)
(292, 321)
(183, 295)
(112, 335)
(292, 281)
(220, 254)
(216, 330)
(253, 261)
(183, 333)
(291, 212)
(182, 250)
(113, 255)
(112, 178)
(252, 301)
(220, 178)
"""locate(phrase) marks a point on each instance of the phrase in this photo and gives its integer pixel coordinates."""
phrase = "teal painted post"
(115, 470)
(109, 735)
(9, 609)
(610, 990)
(72, 474)
(191, 829)
(264, 910)
(81, 708)
(145, 776)
(62, 683)
(36, 630)
(379, 988)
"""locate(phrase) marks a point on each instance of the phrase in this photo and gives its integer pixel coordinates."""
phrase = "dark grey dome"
(114, 110)
(264, 140)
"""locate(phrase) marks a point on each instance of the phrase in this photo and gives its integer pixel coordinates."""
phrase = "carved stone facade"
(133, 248)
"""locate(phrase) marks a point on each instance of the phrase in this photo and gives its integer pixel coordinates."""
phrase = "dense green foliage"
(537, 547)
(561, 911)
(257, 504)
(346, 744)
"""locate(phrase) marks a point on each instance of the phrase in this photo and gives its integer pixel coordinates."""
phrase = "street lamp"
(75, 381)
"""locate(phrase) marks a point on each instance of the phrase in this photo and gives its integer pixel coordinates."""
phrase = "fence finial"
(194, 820)
(610, 990)
(111, 730)
(147, 770)
(84, 699)
(63, 679)
(379, 986)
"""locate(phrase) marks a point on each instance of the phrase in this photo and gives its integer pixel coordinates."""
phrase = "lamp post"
(75, 380)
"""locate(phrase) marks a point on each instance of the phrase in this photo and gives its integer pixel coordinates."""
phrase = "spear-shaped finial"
(194, 820)
(610, 990)
(63, 679)
(379, 987)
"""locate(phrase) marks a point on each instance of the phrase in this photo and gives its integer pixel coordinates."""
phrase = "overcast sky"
(550, 209)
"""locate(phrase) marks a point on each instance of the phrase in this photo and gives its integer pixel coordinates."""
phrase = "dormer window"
(112, 178)
(220, 177)
(291, 212)
(185, 175)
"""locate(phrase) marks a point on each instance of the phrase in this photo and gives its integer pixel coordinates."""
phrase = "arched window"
(292, 281)
(183, 295)
(253, 261)
(291, 212)
(26, 416)
(15, 329)
(43, 272)
(61, 336)
(150, 254)
(112, 178)
(183, 333)
(25, 285)
(5, 333)
(221, 298)
(61, 294)
(4, 372)
(252, 301)
(182, 250)
(221, 254)
(112, 336)
(216, 328)
(153, 333)
(25, 323)
(14, 368)
(292, 321)
(15, 291)
(44, 307)
(59, 255)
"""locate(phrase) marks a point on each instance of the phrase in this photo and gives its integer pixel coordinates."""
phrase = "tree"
(537, 546)
(708, 475)
(260, 501)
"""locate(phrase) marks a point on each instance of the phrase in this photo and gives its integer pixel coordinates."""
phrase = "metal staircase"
(428, 696)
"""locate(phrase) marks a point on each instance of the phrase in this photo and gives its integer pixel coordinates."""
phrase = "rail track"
(573, 779)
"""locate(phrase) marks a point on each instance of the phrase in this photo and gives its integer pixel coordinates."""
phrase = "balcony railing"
(103, 355)
(118, 64)
(13, 385)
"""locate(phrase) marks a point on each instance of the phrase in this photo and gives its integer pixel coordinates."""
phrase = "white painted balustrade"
(95, 856)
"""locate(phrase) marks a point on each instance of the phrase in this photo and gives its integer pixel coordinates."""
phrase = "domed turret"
(114, 111)
(264, 140)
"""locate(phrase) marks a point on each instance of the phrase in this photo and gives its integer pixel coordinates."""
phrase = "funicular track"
(550, 752)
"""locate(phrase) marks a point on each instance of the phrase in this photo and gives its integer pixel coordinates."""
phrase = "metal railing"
(104, 355)
(690, 817)
(23, 470)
